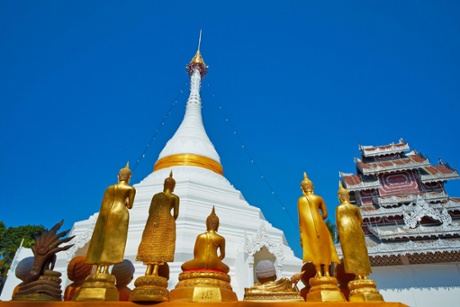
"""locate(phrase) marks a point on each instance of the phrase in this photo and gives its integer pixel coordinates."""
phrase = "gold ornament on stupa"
(197, 62)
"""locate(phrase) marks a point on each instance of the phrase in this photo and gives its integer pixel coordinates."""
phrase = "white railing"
(364, 186)
(367, 152)
(386, 212)
(374, 167)
(408, 248)
(388, 201)
(439, 176)
(419, 232)
(398, 211)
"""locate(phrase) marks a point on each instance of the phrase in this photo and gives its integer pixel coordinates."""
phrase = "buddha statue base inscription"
(98, 287)
(324, 289)
(150, 288)
(203, 286)
(364, 290)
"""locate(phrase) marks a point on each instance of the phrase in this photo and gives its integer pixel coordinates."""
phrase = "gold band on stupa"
(189, 160)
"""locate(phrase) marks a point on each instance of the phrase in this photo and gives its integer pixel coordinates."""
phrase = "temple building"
(412, 225)
(200, 185)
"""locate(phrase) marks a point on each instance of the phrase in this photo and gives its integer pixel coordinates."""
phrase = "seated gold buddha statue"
(205, 278)
(270, 289)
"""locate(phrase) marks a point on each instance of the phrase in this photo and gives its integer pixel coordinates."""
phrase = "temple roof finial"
(197, 62)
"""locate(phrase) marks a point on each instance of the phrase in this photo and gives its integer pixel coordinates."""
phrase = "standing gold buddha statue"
(354, 249)
(107, 245)
(157, 245)
(317, 244)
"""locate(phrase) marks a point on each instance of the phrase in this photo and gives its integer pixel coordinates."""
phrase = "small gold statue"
(205, 278)
(269, 289)
(107, 245)
(157, 245)
(317, 244)
(354, 249)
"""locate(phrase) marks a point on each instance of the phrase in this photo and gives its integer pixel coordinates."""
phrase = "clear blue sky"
(85, 84)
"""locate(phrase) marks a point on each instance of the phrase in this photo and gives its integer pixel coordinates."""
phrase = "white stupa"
(200, 184)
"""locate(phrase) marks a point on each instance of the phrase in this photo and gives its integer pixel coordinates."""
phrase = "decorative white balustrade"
(411, 247)
(391, 201)
(439, 177)
(377, 167)
(376, 151)
(419, 232)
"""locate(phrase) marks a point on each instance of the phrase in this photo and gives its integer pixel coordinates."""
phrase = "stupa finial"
(199, 40)
(197, 62)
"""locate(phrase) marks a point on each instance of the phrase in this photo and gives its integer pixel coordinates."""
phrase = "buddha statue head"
(212, 222)
(306, 185)
(78, 270)
(125, 173)
(123, 272)
(170, 183)
(24, 267)
(265, 271)
(343, 193)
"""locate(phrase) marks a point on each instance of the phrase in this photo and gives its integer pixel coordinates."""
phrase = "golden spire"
(197, 62)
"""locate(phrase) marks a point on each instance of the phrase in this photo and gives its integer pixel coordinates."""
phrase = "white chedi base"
(249, 237)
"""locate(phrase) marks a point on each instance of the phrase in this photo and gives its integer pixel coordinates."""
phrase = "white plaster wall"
(424, 285)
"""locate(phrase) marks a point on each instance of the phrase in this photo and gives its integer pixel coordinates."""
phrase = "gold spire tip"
(197, 62)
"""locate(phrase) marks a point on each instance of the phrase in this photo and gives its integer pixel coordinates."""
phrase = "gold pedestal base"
(150, 288)
(203, 286)
(364, 290)
(98, 287)
(274, 297)
(324, 289)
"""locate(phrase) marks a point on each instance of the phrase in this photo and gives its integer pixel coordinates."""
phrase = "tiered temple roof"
(408, 216)
(372, 151)
(413, 161)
